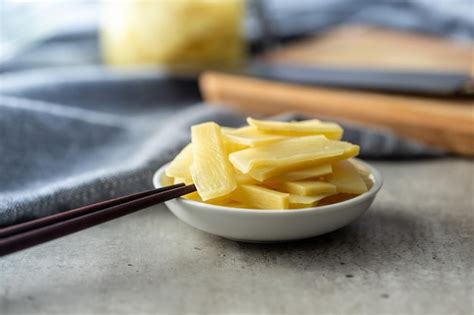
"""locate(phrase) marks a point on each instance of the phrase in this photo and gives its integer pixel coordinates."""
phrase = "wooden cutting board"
(377, 48)
(445, 123)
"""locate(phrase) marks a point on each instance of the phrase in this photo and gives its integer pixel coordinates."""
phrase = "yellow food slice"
(311, 172)
(166, 180)
(235, 204)
(250, 136)
(263, 173)
(226, 130)
(195, 196)
(368, 182)
(363, 172)
(211, 170)
(306, 187)
(346, 178)
(361, 169)
(243, 179)
(260, 197)
(192, 196)
(181, 165)
(218, 202)
(335, 199)
(298, 128)
(292, 152)
(179, 180)
(297, 201)
(232, 147)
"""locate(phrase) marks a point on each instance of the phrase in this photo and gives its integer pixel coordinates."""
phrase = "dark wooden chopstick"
(28, 237)
(61, 216)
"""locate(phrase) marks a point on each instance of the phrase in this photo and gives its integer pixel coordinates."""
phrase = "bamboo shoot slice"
(244, 179)
(236, 204)
(347, 179)
(191, 196)
(297, 201)
(264, 173)
(361, 169)
(250, 136)
(211, 170)
(260, 197)
(335, 199)
(226, 130)
(363, 172)
(179, 180)
(233, 147)
(166, 180)
(299, 128)
(288, 152)
(368, 182)
(306, 188)
(311, 172)
(181, 165)
(230, 145)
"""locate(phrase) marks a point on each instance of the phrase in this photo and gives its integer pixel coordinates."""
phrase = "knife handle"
(443, 123)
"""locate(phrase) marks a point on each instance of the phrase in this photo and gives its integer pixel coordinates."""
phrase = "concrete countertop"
(411, 253)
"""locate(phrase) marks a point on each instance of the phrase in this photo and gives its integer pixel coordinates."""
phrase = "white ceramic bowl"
(248, 225)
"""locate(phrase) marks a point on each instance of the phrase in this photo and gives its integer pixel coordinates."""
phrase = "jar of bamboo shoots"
(181, 33)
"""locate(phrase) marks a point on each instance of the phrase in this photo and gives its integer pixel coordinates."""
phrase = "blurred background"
(76, 32)
(87, 85)
(415, 56)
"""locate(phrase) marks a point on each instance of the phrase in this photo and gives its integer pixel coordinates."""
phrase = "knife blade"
(407, 82)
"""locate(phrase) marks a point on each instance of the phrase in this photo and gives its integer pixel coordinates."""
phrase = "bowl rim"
(375, 176)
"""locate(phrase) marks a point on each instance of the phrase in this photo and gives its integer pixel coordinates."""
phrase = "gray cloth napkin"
(72, 137)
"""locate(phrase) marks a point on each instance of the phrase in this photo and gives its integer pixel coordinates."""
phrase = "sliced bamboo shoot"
(230, 145)
(311, 172)
(361, 169)
(211, 170)
(226, 130)
(298, 128)
(335, 199)
(181, 165)
(243, 179)
(297, 201)
(260, 197)
(166, 180)
(192, 196)
(264, 173)
(368, 182)
(233, 147)
(347, 179)
(186, 181)
(250, 136)
(306, 187)
(236, 204)
(363, 172)
(301, 151)
(270, 165)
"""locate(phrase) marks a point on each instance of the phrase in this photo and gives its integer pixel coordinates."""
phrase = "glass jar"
(185, 33)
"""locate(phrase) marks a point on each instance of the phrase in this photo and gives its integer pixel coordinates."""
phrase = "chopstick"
(31, 233)
(61, 216)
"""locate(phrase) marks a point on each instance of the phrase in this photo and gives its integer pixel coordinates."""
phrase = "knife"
(407, 82)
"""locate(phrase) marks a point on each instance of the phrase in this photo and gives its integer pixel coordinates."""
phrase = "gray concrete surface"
(412, 253)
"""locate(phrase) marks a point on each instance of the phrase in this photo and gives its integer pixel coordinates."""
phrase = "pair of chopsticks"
(21, 236)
